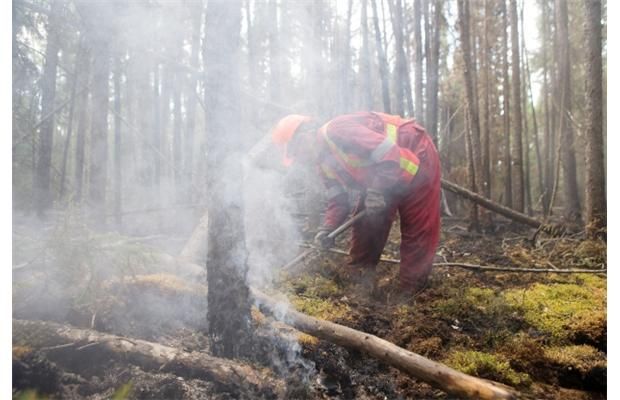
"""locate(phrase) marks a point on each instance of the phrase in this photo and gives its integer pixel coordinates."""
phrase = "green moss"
(582, 358)
(315, 286)
(564, 311)
(489, 366)
(320, 308)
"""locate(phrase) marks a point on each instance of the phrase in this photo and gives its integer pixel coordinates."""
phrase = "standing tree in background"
(596, 205)
(419, 58)
(572, 208)
(517, 157)
(432, 96)
(473, 132)
(383, 64)
(228, 294)
(506, 95)
(42, 185)
(365, 59)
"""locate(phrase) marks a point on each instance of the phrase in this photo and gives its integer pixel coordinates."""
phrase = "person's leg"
(420, 230)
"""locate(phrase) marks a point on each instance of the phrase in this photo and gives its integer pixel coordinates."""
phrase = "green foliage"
(29, 394)
(489, 366)
(564, 311)
(582, 358)
(315, 286)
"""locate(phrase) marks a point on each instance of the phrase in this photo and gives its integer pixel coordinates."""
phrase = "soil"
(434, 323)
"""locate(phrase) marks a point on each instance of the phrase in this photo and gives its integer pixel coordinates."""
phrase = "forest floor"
(541, 333)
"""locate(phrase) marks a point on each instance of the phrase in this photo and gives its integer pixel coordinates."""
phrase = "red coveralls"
(398, 158)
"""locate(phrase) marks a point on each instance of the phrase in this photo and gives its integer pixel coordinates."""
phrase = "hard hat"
(284, 131)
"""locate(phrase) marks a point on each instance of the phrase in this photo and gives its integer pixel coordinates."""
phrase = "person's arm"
(338, 207)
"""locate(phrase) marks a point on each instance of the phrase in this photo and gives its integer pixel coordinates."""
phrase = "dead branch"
(67, 340)
(553, 230)
(434, 373)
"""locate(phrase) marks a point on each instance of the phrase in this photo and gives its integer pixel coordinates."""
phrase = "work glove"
(374, 203)
(322, 239)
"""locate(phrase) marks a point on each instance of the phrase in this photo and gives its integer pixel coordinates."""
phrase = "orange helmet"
(284, 131)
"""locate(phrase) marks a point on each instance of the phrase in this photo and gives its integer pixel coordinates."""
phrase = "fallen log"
(434, 373)
(551, 229)
(55, 338)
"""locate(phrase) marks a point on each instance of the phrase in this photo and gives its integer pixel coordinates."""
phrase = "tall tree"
(433, 74)
(82, 127)
(472, 103)
(99, 120)
(548, 131)
(228, 294)
(383, 64)
(118, 181)
(506, 109)
(365, 60)
(419, 59)
(42, 185)
(596, 205)
(572, 209)
(517, 148)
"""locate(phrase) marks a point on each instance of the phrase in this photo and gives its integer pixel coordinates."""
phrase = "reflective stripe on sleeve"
(380, 151)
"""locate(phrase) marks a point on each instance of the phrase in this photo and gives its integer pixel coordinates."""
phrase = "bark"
(177, 132)
(436, 374)
(42, 185)
(485, 178)
(506, 95)
(228, 296)
(63, 342)
(346, 64)
(275, 76)
(502, 210)
(596, 205)
(403, 85)
(383, 64)
(518, 191)
(473, 141)
(419, 59)
(572, 209)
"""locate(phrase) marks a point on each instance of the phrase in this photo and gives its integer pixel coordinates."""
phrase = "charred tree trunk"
(572, 211)
(506, 95)
(383, 64)
(63, 342)
(596, 206)
(228, 296)
(517, 157)
(42, 185)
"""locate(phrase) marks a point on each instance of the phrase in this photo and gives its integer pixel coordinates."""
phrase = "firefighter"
(394, 165)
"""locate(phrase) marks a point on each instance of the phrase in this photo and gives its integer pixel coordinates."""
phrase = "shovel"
(332, 235)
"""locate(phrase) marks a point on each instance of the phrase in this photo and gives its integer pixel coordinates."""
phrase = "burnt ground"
(542, 333)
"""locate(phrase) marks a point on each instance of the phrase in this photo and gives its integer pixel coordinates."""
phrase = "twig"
(60, 346)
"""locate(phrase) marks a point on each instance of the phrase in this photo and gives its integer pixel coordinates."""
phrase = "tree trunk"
(191, 100)
(506, 95)
(99, 123)
(67, 343)
(419, 59)
(485, 178)
(596, 205)
(548, 168)
(517, 157)
(42, 185)
(572, 209)
(228, 298)
(438, 375)
(432, 94)
(275, 60)
(346, 62)
(365, 60)
(475, 160)
(65, 151)
(82, 127)
(383, 64)
(118, 176)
